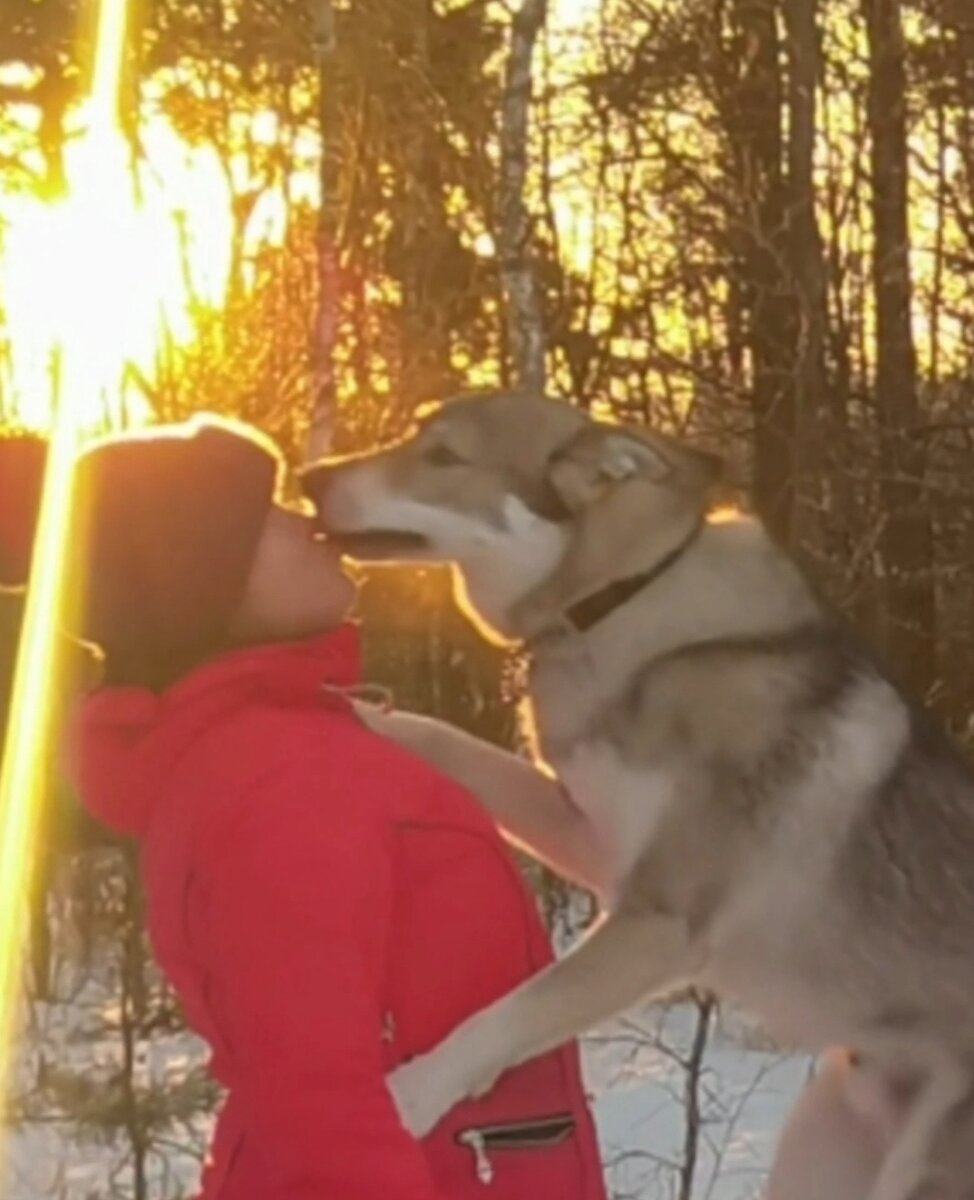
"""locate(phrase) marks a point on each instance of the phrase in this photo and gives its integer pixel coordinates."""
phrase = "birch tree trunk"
(524, 310)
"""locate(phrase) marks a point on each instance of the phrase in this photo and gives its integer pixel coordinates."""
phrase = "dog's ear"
(622, 456)
(660, 457)
(597, 457)
(602, 455)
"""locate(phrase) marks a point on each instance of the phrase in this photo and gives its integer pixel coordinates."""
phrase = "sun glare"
(117, 269)
(96, 285)
(67, 322)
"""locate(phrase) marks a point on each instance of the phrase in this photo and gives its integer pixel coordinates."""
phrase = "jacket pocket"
(538, 1133)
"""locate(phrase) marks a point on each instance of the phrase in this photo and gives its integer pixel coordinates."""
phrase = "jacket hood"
(122, 743)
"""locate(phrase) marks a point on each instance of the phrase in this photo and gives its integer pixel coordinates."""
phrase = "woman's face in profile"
(296, 587)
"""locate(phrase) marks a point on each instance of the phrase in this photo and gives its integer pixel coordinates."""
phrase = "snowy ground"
(662, 1093)
(637, 1075)
(634, 1069)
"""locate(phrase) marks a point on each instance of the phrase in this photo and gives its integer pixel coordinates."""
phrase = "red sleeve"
(298, 914)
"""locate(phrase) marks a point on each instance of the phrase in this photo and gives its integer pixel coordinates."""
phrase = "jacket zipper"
(539, 1134)
(474, 1139)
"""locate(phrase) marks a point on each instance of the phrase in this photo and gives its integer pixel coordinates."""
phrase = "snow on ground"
(633, 1070)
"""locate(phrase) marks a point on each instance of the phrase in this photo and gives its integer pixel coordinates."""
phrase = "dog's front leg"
(625, 958)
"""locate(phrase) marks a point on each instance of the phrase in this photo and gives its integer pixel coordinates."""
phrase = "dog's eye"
(442, 456)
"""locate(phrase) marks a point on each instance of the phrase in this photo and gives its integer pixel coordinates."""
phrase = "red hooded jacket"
(327, 906)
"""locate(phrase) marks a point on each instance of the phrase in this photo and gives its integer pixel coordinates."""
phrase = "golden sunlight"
(118, 267)
(69, 320)
(97, 286)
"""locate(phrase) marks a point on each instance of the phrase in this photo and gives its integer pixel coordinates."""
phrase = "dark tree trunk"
(425, 368)
(805, 241)
(905, 544)
(325, 333)
(754, 122)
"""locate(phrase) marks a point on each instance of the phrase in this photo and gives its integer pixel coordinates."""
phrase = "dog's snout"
(334, 492)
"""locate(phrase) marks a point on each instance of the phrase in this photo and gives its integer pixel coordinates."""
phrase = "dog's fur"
(783, 827)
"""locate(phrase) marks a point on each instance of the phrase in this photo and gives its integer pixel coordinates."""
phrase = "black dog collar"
(601, 604)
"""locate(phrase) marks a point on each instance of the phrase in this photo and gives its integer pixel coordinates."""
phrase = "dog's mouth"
(380, 545)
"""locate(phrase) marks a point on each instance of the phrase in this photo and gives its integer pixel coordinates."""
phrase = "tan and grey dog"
(781, 825)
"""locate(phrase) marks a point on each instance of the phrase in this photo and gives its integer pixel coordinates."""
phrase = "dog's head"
(492, 483)
(468, 485)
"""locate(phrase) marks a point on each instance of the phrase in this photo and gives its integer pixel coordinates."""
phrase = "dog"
(782, 826)
(586, 478)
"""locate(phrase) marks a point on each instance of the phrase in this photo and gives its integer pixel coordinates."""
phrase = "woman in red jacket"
(325, 903)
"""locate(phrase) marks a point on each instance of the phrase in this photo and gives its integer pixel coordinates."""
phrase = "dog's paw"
(422, 1093)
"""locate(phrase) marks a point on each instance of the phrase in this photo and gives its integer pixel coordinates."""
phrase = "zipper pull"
(388, 1028)
(478, 1144)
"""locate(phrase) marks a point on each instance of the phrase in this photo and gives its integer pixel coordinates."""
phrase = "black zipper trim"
(539, 1133)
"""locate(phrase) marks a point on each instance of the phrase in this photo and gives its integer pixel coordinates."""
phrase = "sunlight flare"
(121, 265)
(66, 333)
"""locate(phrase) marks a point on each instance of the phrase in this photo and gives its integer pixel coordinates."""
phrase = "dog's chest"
(625, 805)
(570, 696)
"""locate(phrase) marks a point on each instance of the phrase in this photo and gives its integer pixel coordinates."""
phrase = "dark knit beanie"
(163, 534)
